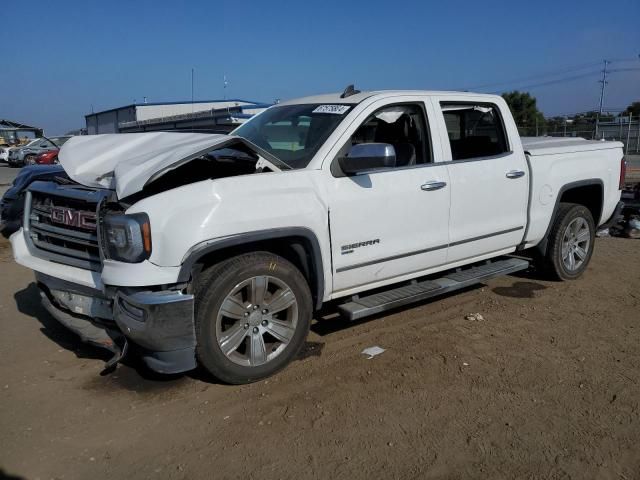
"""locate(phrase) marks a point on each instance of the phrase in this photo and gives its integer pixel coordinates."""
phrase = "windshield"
(59, 141)
(293, 133)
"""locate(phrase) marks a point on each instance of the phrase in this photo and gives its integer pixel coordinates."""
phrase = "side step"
(415, 292)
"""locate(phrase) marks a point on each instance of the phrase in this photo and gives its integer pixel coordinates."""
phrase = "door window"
(474, 130)
(402, 126)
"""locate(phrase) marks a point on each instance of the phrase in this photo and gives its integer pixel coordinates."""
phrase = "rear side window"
(474, 130)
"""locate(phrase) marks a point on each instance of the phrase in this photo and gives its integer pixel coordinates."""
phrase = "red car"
(47, 158)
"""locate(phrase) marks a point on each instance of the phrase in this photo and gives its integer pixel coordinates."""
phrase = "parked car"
(48, 158)
(217, 249)
(4, 152)
(12, 202)
(27, 155)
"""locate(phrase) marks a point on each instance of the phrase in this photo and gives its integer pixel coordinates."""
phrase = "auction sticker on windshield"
(335, 109)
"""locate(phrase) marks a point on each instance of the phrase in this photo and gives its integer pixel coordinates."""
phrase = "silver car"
(27, 155)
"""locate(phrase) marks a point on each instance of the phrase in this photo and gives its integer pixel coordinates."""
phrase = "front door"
(391, 223)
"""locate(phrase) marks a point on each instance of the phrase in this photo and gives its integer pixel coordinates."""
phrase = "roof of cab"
(359, 97)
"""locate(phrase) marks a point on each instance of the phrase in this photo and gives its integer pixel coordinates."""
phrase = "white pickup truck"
(217, 249)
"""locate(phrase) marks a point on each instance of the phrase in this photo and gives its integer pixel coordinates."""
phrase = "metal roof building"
(10, 131)
(203, 115)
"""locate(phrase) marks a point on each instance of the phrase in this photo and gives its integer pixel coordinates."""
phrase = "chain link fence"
(625, 129)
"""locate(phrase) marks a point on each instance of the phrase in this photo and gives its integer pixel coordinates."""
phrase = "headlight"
(127, 238)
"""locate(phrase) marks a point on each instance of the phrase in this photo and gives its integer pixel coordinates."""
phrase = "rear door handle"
(515, 174)
(433, 185)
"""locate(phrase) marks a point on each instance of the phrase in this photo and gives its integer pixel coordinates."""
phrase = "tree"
(525, 111)
(633, 109)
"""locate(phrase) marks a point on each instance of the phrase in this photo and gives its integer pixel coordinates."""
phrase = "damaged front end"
(72, 230)
(159, 323)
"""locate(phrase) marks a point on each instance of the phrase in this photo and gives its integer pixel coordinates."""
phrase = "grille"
(62, 224)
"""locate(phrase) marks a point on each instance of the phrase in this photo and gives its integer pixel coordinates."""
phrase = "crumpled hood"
(126, 162)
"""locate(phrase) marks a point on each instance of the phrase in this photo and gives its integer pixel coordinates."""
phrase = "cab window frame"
(427, 153)
(502, 129)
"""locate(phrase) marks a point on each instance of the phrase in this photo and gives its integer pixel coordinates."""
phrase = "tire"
(570, 250)
(237, 284)
(29, 160)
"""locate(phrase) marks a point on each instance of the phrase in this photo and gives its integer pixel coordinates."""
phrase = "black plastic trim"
(242, 239)
(426, 250)
(542, 246)
(612, 219)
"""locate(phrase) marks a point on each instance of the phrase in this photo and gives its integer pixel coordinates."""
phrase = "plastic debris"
(372, 352)
(603, 233)
(474, 317)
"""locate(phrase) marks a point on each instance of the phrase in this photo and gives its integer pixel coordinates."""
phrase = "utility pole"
(626, 144)
(192, 91)
(603, 83)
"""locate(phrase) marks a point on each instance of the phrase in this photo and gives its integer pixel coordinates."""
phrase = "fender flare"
(208, 246)
(542, 246)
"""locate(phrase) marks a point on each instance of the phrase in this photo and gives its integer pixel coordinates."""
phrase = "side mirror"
(368, 156)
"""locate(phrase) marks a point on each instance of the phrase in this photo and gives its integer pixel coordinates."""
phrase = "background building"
(12, 132)
(218, 116)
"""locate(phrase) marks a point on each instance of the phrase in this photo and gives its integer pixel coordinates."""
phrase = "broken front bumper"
(160, 323)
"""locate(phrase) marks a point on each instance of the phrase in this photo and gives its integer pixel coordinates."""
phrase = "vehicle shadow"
(131, 374)
(519, 290)
(329, 320)
(28, 303)
(6, 476)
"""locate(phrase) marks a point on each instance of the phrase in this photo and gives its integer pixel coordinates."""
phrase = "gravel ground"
(546, 386)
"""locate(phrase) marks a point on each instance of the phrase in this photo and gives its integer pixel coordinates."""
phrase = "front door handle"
(433, 185)
(515, 174)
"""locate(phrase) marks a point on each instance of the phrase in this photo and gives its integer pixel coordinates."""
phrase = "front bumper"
(160, 323)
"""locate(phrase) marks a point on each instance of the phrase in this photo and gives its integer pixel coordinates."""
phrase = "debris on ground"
(632, 229)
(603, 233)
(372, 352)
(474, 317)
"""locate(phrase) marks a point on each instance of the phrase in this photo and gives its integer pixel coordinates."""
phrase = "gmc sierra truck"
(217, 249)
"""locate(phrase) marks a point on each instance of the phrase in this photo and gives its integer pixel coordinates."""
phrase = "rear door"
(389, 224)
(489, 178)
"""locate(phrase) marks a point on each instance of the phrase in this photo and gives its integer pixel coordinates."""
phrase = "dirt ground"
(546, 386)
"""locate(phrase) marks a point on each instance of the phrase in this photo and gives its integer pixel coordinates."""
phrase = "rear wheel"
(571, 242)
(30, 160)
(253, 314)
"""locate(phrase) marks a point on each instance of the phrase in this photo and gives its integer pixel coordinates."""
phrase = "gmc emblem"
(73, 218)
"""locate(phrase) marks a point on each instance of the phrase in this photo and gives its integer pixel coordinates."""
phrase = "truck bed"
(535, 146)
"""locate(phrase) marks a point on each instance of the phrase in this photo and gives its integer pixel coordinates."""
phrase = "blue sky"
(59, 58)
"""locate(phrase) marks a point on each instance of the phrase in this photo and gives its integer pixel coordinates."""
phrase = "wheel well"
(298, 250)
(589, 196)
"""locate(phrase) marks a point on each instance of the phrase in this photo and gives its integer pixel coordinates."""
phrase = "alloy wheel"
(256, 320)
(575, 244)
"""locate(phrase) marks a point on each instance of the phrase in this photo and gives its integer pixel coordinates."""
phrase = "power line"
(549, 73)
(552, 73)
(557, 80)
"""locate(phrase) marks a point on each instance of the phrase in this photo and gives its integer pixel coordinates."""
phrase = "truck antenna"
(350, 90)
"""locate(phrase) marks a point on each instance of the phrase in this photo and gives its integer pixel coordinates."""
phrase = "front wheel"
(571, 242)
(253, 314)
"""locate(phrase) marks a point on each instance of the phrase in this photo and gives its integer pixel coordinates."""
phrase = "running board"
(360, 307)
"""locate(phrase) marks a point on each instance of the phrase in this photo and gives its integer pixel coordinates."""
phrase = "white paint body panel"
(417, 230)
(124, 162)
(483, 200)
